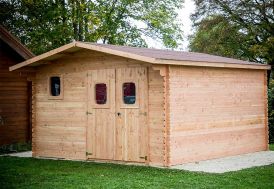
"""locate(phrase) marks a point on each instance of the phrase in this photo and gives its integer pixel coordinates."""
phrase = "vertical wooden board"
(266, 111)
(143, 113)
(101, 117)
(90, 128)
(131, 125)
(134, 144)
(104, 132)
(156, 118)
(167, 115)
(33, 116)
(120, 135)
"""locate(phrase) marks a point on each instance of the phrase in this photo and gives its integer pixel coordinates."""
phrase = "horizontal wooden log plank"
(60, 154)
(212, 146)
(62, 146)
(60, 123)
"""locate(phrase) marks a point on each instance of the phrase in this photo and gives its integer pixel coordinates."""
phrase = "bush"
(271, 110)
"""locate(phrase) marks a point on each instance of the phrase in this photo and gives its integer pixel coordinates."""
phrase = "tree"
(216, 35)
(254, 18)
(47, 24)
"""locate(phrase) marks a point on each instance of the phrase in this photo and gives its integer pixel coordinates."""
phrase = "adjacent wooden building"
(15, 110)
(155, 107)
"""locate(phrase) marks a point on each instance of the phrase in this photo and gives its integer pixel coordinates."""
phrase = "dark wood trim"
(15, 44)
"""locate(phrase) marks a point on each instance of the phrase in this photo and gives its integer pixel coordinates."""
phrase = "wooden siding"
(216, 112)
(60, 128)
(13, 99)
(194, 113)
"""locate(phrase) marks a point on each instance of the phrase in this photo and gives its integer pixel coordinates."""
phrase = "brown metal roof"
(173, 55)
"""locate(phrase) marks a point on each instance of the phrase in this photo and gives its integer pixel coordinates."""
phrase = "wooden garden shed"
(15, 110)
(148, 106)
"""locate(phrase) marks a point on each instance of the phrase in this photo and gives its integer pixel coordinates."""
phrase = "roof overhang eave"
(212, 64)
(83, 46)
(42, 56)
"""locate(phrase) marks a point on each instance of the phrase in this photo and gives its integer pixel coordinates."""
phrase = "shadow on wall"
(1, 120)
(16, 147)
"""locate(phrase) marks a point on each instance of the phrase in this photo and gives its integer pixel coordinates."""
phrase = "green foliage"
(253, 20)
(216, 35)
(37, 173)
(271, 147)
(47, 24)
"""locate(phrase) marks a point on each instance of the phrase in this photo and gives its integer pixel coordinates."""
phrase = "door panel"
(131, 123)
(117, 130)
(101, 115)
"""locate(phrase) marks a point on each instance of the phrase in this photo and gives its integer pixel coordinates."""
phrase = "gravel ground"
(232, 163)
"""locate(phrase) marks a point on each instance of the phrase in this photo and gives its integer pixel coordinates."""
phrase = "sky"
(184, 17)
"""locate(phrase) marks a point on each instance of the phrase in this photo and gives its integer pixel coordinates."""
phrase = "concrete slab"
(20, 154)
(233, 163)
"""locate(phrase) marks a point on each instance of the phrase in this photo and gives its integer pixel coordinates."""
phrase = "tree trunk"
(74, 21)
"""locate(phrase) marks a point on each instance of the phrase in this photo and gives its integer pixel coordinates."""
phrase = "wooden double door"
(117, 114)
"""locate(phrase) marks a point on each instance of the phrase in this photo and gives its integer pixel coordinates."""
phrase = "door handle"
(88, 113)
(118, 113)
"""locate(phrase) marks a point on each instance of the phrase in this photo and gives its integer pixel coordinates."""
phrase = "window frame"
(136, 104)
(93, 94)
(61, 96)
(123, 86)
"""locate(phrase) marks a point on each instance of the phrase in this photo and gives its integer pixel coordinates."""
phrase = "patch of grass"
(37, 173)
(271, 147)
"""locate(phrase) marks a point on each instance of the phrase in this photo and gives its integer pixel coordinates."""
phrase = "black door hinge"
(88, 153)
(88, 113)
(145, 157)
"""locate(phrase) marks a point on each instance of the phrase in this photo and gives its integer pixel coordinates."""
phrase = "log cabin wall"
(60, 126)
(14, 105)
(216, 112)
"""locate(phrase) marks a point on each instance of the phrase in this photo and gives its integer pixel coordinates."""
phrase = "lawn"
(271, 147)
(37, 173)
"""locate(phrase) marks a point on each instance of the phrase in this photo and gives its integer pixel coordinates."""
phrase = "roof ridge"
(127, 46)
(168, 50)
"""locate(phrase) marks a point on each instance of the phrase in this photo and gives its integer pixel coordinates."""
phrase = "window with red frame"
(129, 93)
(101, 93)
